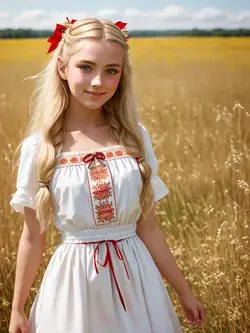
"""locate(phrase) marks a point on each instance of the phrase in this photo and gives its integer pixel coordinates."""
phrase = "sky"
(140, 15)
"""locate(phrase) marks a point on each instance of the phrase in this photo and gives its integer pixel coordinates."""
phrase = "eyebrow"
(93, 63)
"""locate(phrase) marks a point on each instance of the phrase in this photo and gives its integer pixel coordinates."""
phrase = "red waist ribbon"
(108, 261)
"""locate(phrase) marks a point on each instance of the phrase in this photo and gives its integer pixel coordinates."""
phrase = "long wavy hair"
(49, 103)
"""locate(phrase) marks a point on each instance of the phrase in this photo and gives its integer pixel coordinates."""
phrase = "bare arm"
(153, 238)
(30, 251)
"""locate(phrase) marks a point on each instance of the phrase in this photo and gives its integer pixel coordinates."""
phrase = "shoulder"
(31, 143)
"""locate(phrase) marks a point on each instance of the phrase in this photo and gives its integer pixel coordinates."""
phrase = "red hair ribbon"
(57, 35)
(139, 159)
(121, 25)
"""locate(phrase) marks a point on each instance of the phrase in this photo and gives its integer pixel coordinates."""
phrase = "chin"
(93, 106)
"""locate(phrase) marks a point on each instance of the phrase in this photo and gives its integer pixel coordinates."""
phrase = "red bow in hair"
(57, 35)
(122, 25)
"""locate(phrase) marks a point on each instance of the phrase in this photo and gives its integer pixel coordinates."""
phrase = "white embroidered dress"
(108, 282)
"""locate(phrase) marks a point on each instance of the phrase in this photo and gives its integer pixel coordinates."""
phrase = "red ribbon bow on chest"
(89, 158)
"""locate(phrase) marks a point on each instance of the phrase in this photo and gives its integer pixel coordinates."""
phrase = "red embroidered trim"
(78, 159)
(101, 189)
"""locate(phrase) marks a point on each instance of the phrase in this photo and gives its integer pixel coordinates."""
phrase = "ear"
(62, 70)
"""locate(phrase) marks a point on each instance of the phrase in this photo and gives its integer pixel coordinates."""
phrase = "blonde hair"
(50, 106)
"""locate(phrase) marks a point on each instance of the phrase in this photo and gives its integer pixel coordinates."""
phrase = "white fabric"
(27, 184)
(75, 295)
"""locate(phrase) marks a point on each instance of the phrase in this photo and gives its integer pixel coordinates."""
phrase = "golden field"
(194, 99)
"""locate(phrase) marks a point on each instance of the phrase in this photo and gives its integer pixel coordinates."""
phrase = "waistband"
(100, 233)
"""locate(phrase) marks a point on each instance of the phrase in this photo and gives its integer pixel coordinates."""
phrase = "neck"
(81, 118)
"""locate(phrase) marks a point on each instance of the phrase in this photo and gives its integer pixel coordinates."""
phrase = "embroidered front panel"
(101, 188)
(102, 193)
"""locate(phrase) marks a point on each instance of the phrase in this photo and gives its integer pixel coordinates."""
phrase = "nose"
(96, 81)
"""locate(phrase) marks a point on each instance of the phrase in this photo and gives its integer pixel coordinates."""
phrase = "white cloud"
(133, 12)
(32, 15)
(108, 13)
(175, 12)
(210, 14)
(170, 17)
(243, 16)
(5, 16)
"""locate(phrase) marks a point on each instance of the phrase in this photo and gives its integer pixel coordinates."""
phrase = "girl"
(88, 163)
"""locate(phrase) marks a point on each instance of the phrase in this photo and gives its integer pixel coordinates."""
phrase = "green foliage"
(219, 32)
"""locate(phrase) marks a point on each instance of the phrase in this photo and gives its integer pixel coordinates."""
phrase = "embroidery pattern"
(77, 159)
(100, 181)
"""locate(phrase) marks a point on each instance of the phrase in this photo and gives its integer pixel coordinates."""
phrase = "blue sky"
(157, 14)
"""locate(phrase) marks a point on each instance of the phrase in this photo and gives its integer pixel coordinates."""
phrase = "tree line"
(30, 33)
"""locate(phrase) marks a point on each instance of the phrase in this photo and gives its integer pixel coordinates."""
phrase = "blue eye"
(114, 71)
(85, 66)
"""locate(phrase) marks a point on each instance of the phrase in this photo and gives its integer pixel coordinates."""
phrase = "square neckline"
(89, 151)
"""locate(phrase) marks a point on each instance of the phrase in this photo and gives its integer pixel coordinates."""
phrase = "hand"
(18, 322)
(193, 310)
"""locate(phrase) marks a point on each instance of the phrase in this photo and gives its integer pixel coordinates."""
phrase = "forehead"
(99, 51)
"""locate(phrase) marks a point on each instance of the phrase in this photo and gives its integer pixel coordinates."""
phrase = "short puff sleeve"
(160, 189)
(26, 185)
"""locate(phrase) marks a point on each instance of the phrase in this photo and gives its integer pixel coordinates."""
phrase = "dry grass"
(194, 99)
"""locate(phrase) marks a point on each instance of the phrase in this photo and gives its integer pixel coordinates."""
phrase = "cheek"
(77, 78)
(112, 82)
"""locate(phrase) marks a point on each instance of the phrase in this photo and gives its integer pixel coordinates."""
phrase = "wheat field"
(194, 99)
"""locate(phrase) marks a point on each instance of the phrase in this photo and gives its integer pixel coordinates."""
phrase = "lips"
(95, 93)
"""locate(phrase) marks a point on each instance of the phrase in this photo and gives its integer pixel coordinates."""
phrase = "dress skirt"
(102, 280)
